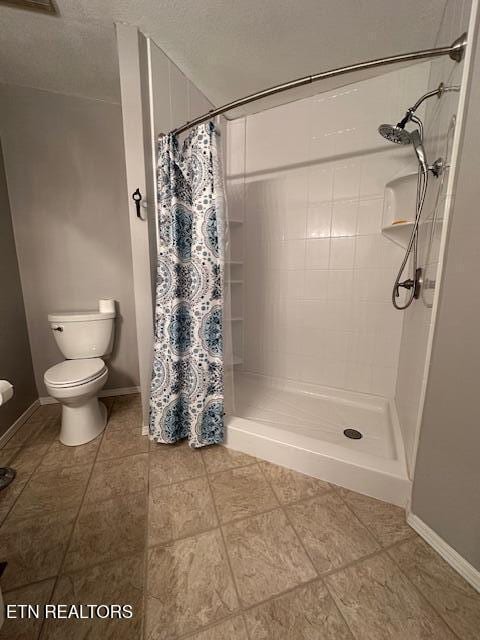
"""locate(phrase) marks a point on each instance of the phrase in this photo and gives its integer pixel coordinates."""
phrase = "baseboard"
(120, 391)
(19, 422)
(454, 559)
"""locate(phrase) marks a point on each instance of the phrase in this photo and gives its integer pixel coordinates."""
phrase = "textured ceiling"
(227, 47)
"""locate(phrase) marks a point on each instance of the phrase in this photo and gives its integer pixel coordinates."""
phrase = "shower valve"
(411, 284)
(406, 284)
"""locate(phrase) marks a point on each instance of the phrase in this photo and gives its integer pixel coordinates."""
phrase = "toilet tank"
(83, 334)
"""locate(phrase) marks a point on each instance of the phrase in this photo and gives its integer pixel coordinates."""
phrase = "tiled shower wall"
(418, 321)
(308, 181)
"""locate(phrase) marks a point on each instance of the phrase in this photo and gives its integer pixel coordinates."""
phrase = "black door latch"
(137, 198)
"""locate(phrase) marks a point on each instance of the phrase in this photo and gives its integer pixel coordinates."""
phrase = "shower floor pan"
(301, 426)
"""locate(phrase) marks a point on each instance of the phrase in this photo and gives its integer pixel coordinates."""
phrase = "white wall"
(66, 178)
(418, 319)
(15, 356)
(174, 99)
(446, 487)
(318, 272)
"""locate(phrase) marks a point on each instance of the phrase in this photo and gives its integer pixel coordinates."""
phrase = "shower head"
(399, 135)
(395, 133)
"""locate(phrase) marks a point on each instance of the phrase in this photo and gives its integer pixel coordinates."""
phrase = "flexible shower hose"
(422, 184)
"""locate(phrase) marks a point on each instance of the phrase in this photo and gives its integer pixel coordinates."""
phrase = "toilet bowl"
(82, 336)
(75, 384)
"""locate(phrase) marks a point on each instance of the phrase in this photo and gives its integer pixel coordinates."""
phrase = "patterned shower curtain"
(187, 381)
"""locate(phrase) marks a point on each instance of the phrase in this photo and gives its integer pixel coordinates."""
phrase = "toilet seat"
(72, 373)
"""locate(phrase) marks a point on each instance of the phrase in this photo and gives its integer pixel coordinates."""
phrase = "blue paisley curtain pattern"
(187, 381)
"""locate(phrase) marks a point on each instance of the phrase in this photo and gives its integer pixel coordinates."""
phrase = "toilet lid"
(73, 372)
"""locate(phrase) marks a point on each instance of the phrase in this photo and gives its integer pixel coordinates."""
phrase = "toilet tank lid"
(79, 316)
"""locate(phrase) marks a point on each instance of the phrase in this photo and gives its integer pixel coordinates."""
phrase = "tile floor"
(210, 545)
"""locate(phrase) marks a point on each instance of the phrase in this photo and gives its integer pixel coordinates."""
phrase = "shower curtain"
(187, 378)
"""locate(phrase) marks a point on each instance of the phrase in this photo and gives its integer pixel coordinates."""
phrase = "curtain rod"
(455, 51)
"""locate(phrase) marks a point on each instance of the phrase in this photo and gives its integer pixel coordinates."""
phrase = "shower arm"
(455, 51)
(439, 91)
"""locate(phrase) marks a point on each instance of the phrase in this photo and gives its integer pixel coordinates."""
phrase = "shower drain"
(353, 434)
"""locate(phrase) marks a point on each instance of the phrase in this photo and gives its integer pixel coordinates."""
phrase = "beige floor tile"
(174, 463)
(8, 497)
(26, 628)
(107, 530)
(46, 411)
(26, 433)
(50, 491)
(385, 521)
(379, 603)
(232, 629)
(108, 402)
(291, 486)
(306, 613)
(453, 598)
(241, 492)
(59, 455)
(119, 582)
(189, 586)
(180, 510)
(126, 403)
(23, 459)
(126, 412)
(34, 547)
(266, 556)
(117, 443)
(333, 536)
(218, 458)
(36, 429)
(117, 477)
(50, 431)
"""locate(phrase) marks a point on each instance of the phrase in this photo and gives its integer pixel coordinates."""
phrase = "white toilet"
(83, 337)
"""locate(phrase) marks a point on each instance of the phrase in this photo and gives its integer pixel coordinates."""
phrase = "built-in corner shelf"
(234, 223)
(235, 262)
(237, 360)
(399, 233)
(235, 319)
(399, 204)
(234, 281)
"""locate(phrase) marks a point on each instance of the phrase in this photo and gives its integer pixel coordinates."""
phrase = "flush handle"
(57, 327)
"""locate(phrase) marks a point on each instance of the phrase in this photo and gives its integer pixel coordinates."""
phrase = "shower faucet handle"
(411, 284)
(406, 284)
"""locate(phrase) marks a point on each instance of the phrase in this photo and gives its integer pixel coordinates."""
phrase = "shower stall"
(321, 210)
(322, 373)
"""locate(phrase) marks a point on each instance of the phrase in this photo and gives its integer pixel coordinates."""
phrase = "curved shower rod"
(456, 51)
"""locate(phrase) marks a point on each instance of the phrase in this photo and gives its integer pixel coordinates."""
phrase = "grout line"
(239, 466)
(422, 595)
(368, 527)
(35, 469)
(285, 511)
(211, 625)
(101, 563)
(172, 484)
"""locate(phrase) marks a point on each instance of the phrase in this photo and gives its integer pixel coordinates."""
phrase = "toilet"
(84, 337)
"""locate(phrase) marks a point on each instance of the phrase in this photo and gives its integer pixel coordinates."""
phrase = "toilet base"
(82, 423)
